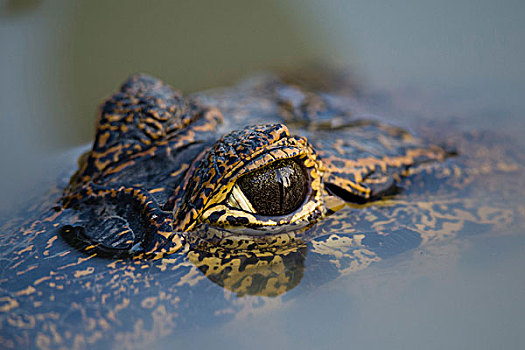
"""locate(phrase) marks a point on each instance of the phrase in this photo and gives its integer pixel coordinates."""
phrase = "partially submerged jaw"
(218, 187)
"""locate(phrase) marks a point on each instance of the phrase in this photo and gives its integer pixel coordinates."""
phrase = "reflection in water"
(263, 273)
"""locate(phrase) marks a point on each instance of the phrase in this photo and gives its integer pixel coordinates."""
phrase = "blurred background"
(59, 59)
(459, 59)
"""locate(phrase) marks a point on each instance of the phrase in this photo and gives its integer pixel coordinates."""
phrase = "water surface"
(446, 61)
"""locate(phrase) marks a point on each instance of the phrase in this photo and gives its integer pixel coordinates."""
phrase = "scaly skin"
(128, 250)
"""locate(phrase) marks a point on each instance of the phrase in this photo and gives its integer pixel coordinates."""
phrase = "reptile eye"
(277, 189)
(258, 180)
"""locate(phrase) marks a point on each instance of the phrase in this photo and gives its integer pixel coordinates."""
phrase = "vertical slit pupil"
(276, 189)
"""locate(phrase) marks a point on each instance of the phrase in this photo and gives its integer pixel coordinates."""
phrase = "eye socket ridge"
(224, 186)
(206, 197)
(234, 210)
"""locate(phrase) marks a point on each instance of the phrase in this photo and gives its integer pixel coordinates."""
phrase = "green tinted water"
(59, 60)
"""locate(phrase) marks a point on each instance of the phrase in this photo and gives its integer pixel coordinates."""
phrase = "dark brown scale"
(277, 189)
